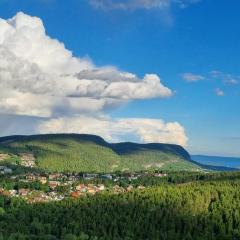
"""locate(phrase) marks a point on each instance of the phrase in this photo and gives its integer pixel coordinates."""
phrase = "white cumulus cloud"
(35, 66)
(39, 77)
(147, 130)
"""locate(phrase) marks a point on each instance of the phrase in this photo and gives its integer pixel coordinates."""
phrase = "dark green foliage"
(196, 210)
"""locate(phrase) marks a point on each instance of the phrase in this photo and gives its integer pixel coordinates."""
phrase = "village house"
(91, 190)
(55, 176)
(81, 188)
(31, 177)
(117, 189)
(160, 175)
(53, 184)
(76, 194)
(52, 194)
(89, 176)
(13, 192)
(129, 188)
(67, 183)
(23, 192)
(42, 180)
(41, 197)
(101, 187)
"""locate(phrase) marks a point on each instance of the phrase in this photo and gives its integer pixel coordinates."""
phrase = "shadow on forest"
(128, 216)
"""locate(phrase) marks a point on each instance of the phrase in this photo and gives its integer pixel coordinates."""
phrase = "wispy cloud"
(225, 77)
(139, 4)
(190, 77)
(219, 78)
(219, 92)
(186, 3)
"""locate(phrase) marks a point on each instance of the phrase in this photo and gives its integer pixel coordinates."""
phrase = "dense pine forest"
(188, 206)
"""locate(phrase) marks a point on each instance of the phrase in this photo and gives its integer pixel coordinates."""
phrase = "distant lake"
(231, 162)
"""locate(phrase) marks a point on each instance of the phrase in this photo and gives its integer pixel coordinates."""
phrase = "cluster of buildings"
(36, 196)
(64, 185)
(116, 189)
(53, 181)
(27, 160)
(32, 196)
(82, 189)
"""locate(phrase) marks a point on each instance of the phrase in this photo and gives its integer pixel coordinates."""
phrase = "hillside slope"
(89, 153)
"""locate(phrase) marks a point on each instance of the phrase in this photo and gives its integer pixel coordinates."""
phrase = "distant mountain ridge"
(121, 147)
(217, 162)
(84, 152)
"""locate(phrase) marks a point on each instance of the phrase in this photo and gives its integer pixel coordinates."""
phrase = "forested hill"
(90, 153)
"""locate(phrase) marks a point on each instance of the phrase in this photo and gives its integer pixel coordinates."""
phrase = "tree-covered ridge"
(88, 153)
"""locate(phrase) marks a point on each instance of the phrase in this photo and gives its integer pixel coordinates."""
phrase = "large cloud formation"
(39, 77)
(33, 67)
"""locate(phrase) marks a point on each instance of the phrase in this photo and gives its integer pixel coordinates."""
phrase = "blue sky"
(195, 49)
